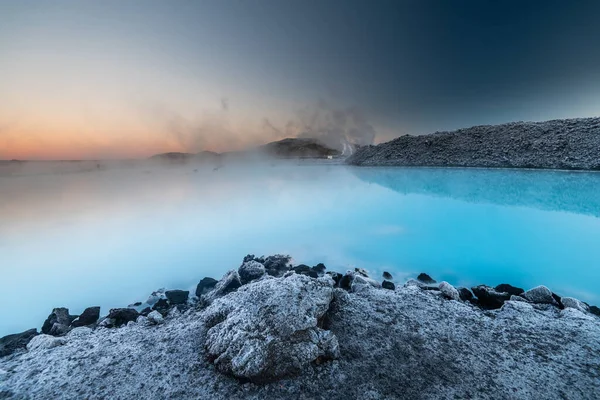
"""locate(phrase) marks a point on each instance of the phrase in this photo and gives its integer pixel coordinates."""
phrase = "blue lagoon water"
(111, 237)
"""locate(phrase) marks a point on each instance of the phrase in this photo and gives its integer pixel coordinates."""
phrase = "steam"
(338, 128)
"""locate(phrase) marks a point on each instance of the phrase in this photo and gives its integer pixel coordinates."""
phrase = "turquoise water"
(111, 237)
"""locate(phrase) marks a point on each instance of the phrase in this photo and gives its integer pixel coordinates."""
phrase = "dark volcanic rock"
(563, 144)
(465, 294)
(595, 310)
(251, 270)
(206, 285)
(319, 268)
(423, 277)
(387, 276)
(301, 269)
(177, 296)
(489, 298)
(346, 281)
(388, 285)
(277, 265)
(162, 306)
(512, 290)
(57, 322)
(558, 301)
(312, 274)
(88, 317)
(336, 276)
(146, 311)
(11, 343)
(122, 316)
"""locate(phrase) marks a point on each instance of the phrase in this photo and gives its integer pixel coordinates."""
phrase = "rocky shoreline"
(270, 329)
(571, 144)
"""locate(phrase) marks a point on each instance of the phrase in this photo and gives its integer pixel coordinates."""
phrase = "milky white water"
(110, 237)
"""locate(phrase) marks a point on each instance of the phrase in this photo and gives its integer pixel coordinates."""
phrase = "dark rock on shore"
(11, 343)
(177, 296)
(562, 144)
(465, 294)
(319, 269)
(510, 289)
(361, 271)
(251, 270)
(387, 276)
(301, 269)
(423, 277)
(488, 297)
(388, 285)
(57, 322)
(276, 265)
(336, 276)
(205, 286)
(122, 316)
(346, 281)
(595, 310)
(162, 306)
(89, 316)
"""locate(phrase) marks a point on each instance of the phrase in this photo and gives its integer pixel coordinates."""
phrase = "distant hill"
(286, 148)
(556, 144)
(298, 148)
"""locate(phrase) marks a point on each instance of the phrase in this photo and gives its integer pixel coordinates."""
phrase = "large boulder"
(539, 295)
(251, 270)
(570, 302)
(488, 297)
(206, 285)
(89, 316)
(270, 329)
(449, 291)
(177, 296)
(11, 343)
(122, 316)
(57, 322)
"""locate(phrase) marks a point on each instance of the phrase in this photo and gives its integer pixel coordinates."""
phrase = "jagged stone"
(58, 316)
(488, 297)
(89, 316)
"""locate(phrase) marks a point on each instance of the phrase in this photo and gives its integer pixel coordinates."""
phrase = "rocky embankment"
(272, 330)
(557, 144)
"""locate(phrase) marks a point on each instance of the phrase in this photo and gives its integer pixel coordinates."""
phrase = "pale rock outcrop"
(270, 329)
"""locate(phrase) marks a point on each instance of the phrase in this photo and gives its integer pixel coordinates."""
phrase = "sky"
(127, 79)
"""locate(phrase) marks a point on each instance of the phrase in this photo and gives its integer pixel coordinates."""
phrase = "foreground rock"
(563, 144)
(297, 337)
(269, 329)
